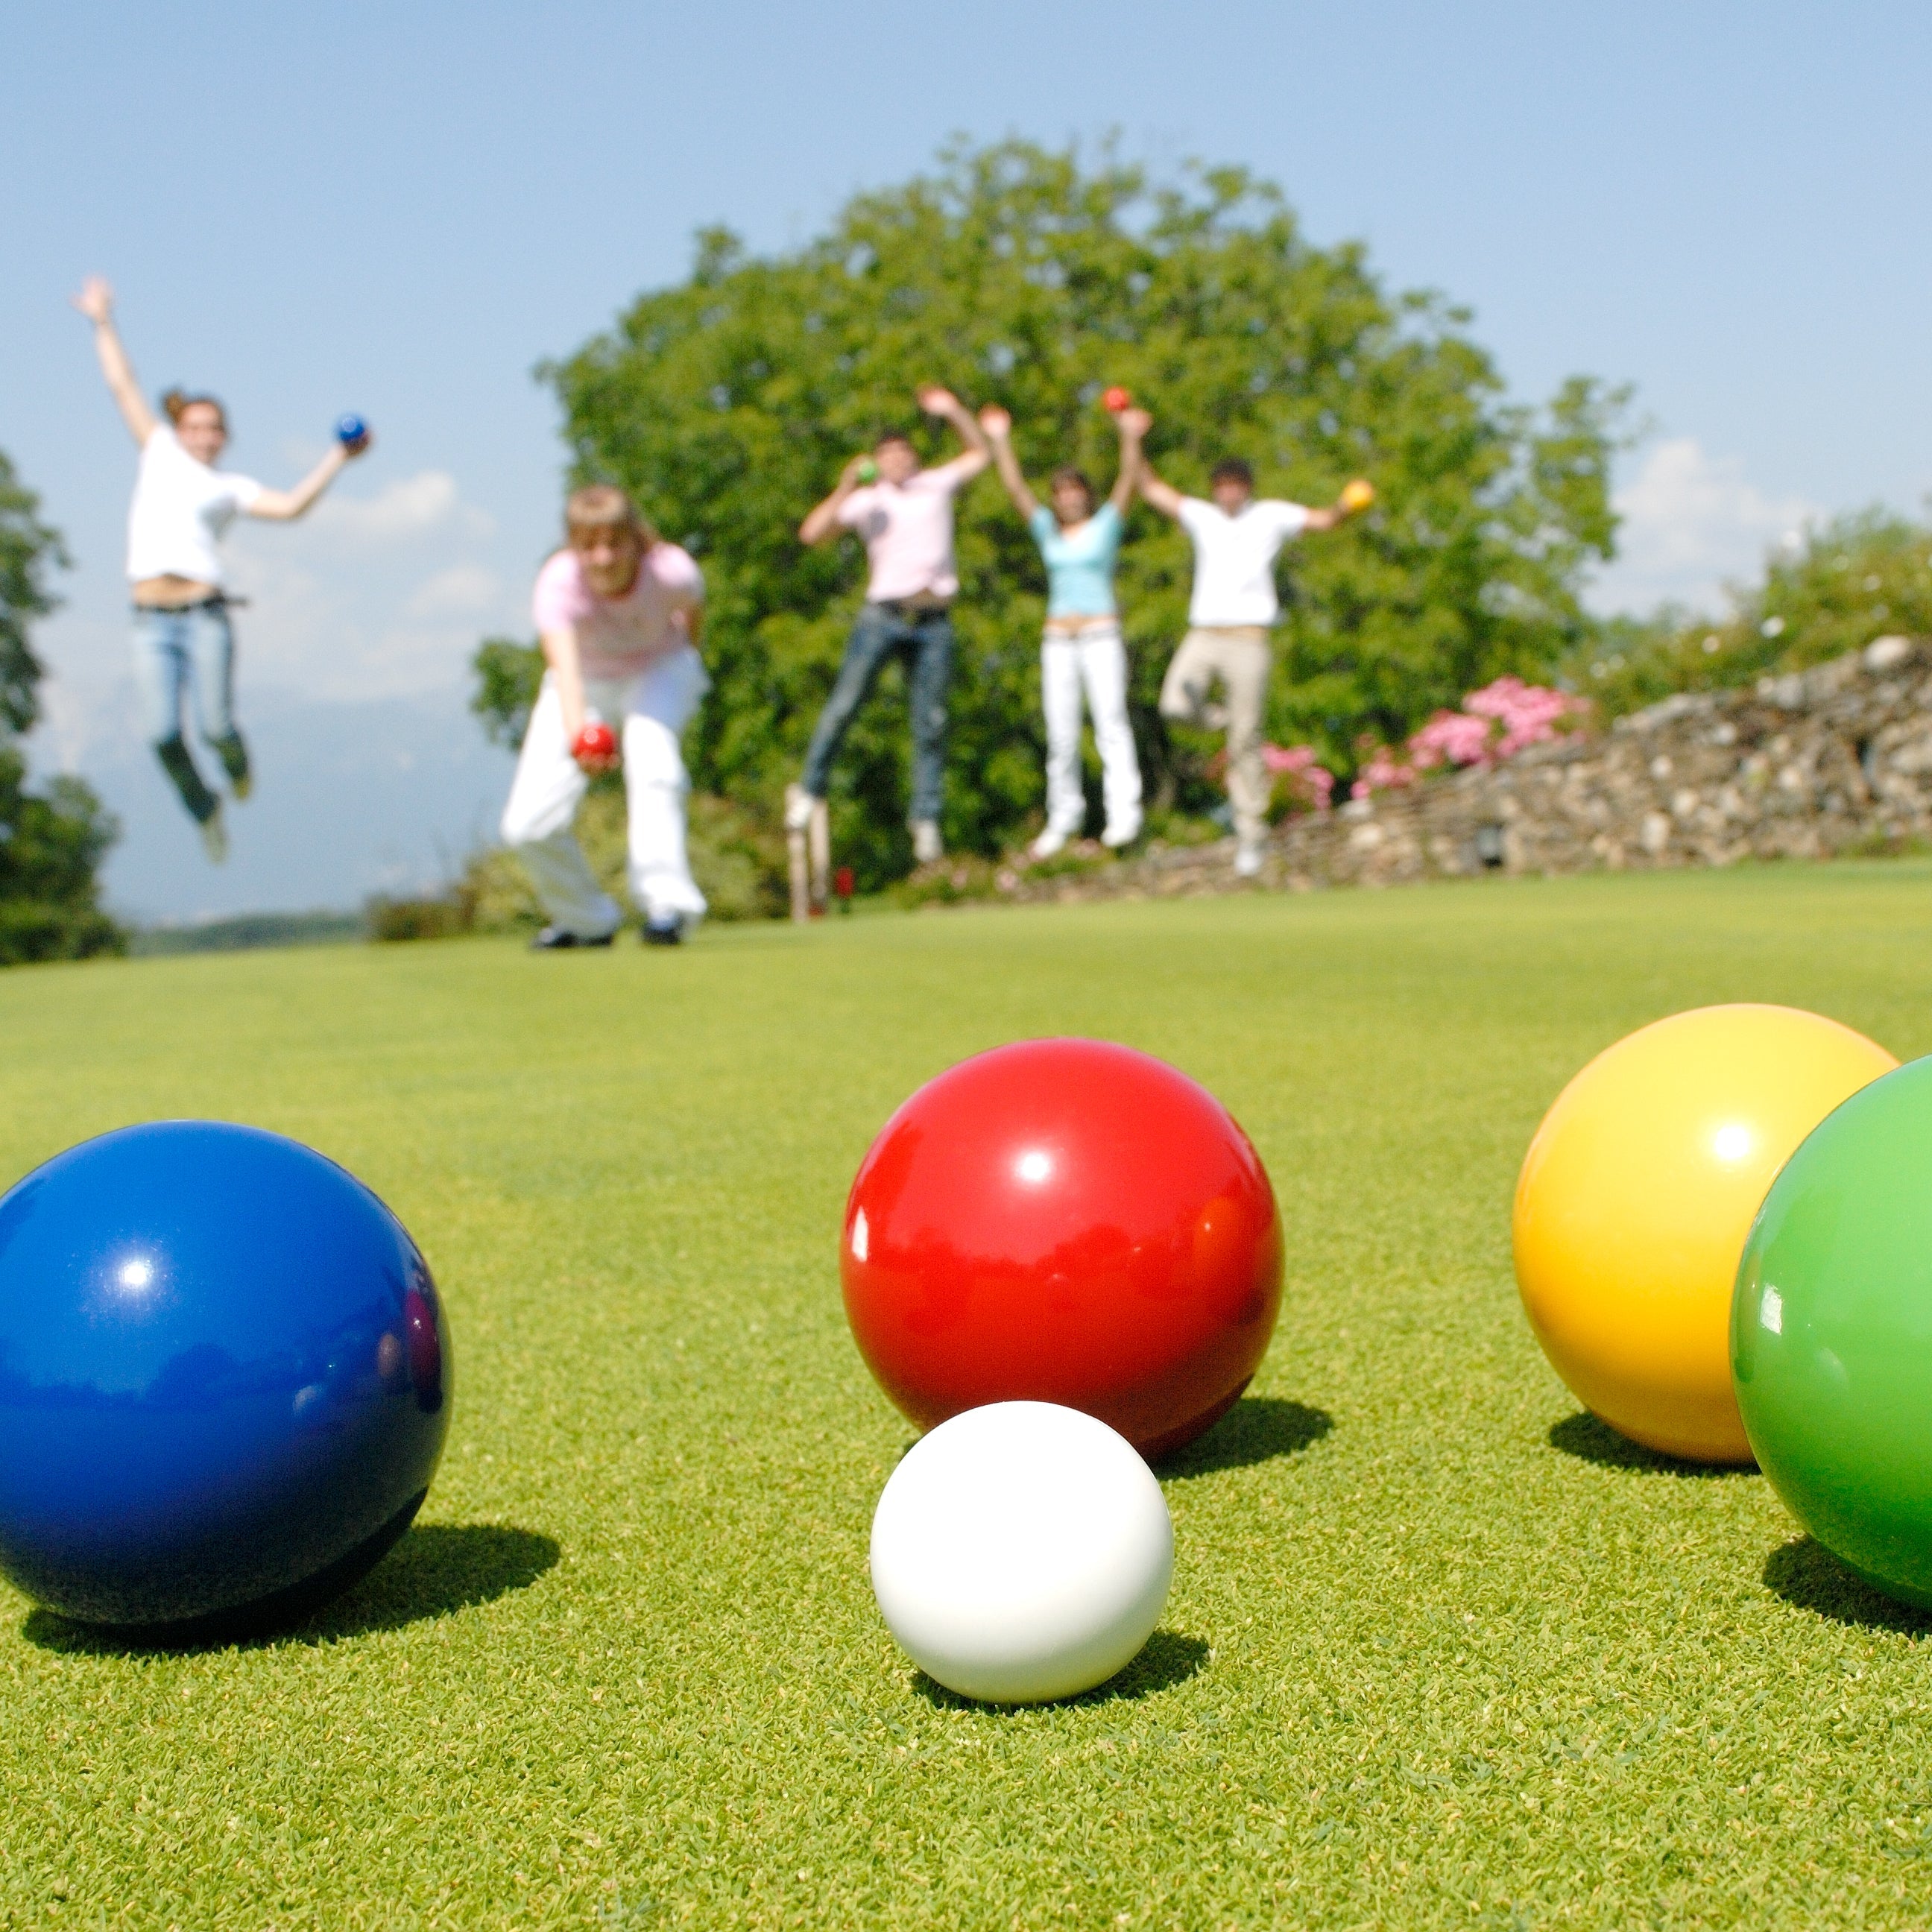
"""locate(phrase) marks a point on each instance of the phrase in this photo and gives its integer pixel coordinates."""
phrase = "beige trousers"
(1239, 656)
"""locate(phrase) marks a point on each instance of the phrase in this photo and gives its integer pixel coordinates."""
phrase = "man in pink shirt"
(905, 518)
(619, 612)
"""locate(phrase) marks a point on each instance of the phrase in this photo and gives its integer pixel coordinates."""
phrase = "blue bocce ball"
(351, 430)
(225, 1380)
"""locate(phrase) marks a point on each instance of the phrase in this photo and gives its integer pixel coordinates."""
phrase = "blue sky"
(402, 209)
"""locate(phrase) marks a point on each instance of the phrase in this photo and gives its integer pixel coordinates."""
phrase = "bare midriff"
(1074, 627)
(170, 593)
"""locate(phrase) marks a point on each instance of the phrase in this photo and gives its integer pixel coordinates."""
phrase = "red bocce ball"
(1064, 1221)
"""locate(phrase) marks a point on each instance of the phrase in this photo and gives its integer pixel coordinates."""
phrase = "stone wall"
(1802, 766)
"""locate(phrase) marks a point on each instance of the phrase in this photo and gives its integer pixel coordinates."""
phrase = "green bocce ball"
(1832, 1333)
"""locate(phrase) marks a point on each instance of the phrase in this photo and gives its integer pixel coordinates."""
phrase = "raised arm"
(284, 506)
(96, 302)
(1133, 425)
(822, 520)
(1163, 495)
(1355, 498)
(998, 425)
(943, 403)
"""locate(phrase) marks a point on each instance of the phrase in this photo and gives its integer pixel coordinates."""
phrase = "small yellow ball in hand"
(1358, 495)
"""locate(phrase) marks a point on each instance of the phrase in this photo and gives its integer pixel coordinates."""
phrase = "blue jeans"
(925, 639)
(182, 653)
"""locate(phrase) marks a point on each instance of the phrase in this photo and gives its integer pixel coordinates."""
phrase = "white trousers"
(1096, 659)
(655, 707)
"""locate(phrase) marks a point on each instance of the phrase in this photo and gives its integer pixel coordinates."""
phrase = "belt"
(923, 605)
(219, 601)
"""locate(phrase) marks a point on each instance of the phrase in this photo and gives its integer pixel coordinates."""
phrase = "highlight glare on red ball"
(1064, 1221)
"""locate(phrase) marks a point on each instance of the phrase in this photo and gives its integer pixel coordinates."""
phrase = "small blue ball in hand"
(352, 432)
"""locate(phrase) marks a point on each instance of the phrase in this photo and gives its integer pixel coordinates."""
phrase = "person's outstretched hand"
(96, 299)
(996, 422)
(1136, 422)
(935, 400)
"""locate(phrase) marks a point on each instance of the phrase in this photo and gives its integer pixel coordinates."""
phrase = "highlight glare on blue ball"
(225, 1378)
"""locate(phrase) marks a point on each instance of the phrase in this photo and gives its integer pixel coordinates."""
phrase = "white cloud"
(375, 597)
(410, 507)
(461, 591)
(1690, 522)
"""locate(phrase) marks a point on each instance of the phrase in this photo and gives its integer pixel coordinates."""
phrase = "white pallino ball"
(1021, 1552)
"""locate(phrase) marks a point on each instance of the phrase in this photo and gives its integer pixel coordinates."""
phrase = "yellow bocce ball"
(1635, 1198)
(1358, 495)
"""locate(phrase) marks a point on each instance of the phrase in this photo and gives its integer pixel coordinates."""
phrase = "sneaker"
(233, 753)
(1049, 842)
(215, 838)
(1247, 861)
(1125, 833)
(926, 844)
(668, 931)
(799, 806)
(561, 939)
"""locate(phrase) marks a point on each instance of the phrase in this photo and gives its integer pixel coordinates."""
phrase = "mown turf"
(1441, 1651)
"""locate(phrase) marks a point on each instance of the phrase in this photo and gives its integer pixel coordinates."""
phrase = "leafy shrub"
(1832, 590)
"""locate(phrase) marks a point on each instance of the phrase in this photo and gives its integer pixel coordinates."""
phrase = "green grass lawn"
(1440, 1651)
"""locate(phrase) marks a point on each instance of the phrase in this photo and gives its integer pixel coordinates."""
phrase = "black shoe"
(665, 932)
(555, 939)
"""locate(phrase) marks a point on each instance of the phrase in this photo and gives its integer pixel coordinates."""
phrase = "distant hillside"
(248, 931)
(350, 800)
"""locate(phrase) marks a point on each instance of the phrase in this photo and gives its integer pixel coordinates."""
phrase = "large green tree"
(52, 842)
(727, 404)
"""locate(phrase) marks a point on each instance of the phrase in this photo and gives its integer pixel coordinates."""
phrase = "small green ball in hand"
(869, 471)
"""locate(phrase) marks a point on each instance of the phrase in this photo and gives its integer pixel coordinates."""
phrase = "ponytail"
(176, 402)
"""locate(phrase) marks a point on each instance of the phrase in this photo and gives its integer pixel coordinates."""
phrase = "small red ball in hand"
(1116, 400)
(596, 748)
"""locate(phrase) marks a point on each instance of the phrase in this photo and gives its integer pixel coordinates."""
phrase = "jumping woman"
(182, 506)
(1080, 545)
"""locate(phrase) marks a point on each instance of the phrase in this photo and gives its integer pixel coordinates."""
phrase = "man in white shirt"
(904, 515)
(1234, 607)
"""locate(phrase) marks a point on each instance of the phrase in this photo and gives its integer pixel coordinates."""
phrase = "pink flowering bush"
(1306, 782)
(1528, 713)
(1382, 771)
(1451, 737)
(1494, 724)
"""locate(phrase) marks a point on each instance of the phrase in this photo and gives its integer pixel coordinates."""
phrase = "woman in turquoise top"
(1082, 647)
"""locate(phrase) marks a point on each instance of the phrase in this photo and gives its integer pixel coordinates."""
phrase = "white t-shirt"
(908, 531)
(1234, 558)
(180, 510)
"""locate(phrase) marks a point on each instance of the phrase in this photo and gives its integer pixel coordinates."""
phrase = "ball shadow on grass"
(1809, 1577)
(1591, 1439)
(434, 1570)
(1258, 1429)
(1166, 1659)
